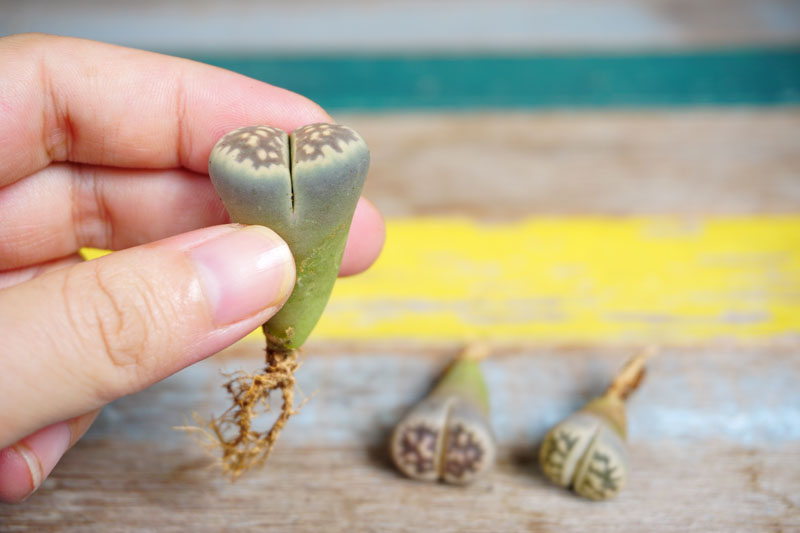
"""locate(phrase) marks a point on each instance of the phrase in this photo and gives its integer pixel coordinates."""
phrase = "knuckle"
(91, 220)
(117, 317)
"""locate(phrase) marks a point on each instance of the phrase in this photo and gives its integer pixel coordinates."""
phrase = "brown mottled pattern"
(310, 140)
(464, 452)
(418, 447)
(263, 146)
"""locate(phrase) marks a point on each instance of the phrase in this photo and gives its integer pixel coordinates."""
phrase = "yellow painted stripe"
(576, 279)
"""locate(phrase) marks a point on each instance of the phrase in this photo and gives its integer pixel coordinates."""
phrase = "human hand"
(107, 147)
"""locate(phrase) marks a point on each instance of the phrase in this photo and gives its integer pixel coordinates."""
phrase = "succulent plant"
(447, 435)
(305, 187)
(586, 451)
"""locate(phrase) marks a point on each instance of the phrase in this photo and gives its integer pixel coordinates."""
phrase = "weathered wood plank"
(501, 166)
(669, 279)
(741, 396)
(715, 444)
(115, 486)
(415, 25)
(715, 431)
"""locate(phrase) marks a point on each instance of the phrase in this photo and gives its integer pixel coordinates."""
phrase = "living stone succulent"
(447, 435)
(586, 451)
(305, 187)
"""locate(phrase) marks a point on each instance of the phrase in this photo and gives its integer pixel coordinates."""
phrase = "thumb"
(77, 338)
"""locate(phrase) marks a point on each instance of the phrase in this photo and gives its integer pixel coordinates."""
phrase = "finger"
(79, 425)
(65, 207)
(26, 464)
(88, 102)
(365, 240)
(85, 335)
(10, 278)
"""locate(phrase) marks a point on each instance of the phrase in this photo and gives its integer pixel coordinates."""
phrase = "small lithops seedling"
(305, 187)
(586, 451)
(447, 435)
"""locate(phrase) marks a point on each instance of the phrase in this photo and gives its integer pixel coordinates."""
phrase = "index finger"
(66, 99)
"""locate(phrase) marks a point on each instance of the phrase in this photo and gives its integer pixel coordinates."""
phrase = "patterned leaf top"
(464, 454)
(263, 146)
(312, 139)
(418, 448)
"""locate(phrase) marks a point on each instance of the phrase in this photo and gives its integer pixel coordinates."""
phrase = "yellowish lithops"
(586, 451)
(447, 436)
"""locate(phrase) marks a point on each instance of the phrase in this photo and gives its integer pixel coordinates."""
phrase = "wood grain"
(110, 487)
(714, 431)
(714, 444)
(501, 166)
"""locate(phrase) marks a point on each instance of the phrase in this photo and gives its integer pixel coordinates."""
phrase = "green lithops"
(447, 436)
(586, 451)
(304, 186)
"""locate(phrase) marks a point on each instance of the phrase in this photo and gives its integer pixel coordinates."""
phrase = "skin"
(108, 147)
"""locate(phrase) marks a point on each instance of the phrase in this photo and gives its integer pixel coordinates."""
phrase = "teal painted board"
(734, 77)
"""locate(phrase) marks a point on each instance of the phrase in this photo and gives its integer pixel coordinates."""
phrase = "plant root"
(244, 448)
(630, 377)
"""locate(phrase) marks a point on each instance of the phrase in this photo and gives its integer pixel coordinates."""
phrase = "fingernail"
(244, 272)
(26, 464)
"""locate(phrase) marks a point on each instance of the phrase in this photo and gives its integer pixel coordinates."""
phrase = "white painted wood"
(248, 26)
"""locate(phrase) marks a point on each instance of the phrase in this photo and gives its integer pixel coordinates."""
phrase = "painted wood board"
(714, 447)
(499, 166)
(584, 227)
(577, 279)
(248, 26)
(714, 429)
(481, 81)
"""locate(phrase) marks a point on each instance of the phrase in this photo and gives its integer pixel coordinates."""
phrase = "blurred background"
(504, 112)
(567, 180)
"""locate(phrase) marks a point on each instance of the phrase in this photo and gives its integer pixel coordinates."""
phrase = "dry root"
(243, 447)
(476, 351)
(631, 375)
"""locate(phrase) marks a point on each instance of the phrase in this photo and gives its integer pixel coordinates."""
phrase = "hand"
(107, 147)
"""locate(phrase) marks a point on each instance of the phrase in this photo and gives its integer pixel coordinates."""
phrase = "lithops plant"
(447, 435)
(305, 187)
(586, 451)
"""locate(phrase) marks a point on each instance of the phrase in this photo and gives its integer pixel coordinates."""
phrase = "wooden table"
(714, 431)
